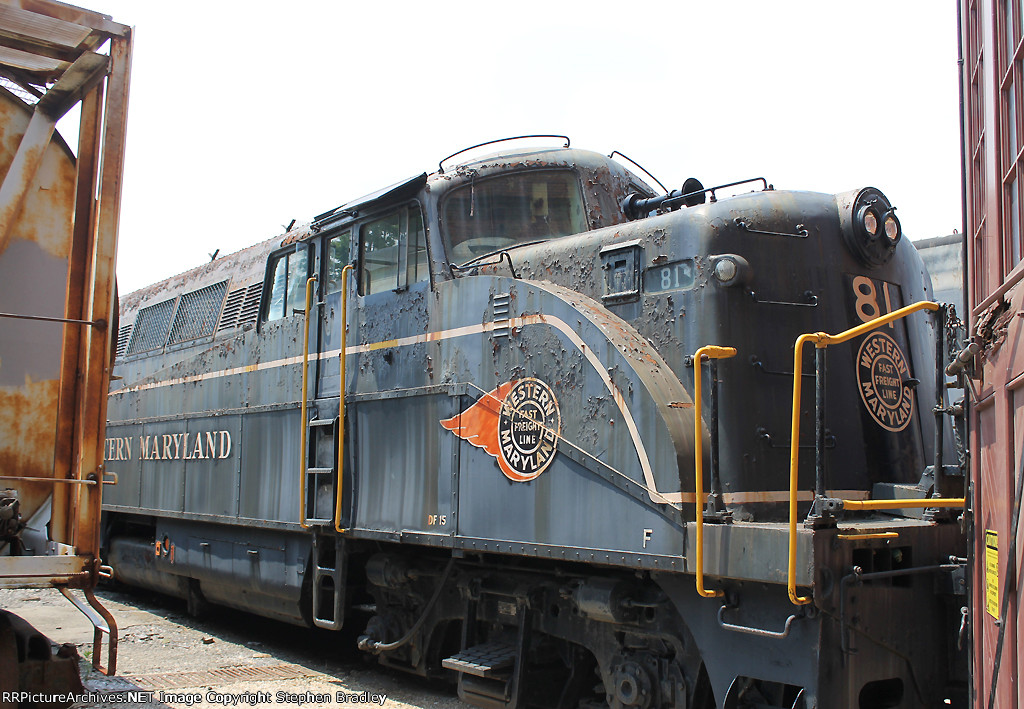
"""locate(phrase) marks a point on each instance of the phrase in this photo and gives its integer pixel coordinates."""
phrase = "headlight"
(892, 228)
(865, 216)
(869, 221)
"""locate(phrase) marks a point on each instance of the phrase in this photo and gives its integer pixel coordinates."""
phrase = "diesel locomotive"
(531, 424)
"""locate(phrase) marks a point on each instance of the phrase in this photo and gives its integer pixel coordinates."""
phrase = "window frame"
(1010, 153)
(325, 258)
(449, 194)
(403, 246)
(268, 278)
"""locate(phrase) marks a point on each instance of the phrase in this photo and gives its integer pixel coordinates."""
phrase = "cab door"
(396, 403)
(396, 475)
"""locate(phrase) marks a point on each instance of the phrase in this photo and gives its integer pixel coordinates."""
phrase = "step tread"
(483, 660)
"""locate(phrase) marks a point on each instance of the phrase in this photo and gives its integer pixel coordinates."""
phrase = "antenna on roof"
(213, 256)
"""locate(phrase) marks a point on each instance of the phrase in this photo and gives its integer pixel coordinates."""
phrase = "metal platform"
(487, 660)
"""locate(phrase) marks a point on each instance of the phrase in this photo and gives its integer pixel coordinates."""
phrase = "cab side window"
(419, 267)
(393, 251)
(288, 284)
(337, 258)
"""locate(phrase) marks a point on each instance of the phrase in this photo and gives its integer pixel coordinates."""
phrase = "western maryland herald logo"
(518, 424)
(881, 371)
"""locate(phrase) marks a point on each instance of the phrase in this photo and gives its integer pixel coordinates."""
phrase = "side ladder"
(328, 549)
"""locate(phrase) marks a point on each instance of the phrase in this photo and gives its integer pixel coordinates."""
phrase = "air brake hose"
(368, 644)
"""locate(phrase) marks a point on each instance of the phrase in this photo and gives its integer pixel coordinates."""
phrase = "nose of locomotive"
(871, 229)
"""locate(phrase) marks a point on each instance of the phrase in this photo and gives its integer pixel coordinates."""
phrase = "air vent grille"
(242, 306)
(197, 313)
(151, 327)
(123, 334)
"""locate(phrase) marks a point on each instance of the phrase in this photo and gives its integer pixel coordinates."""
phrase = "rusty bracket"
(102, 622)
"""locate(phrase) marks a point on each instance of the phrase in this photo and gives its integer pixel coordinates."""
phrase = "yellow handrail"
(341, 399)
(822, 339)
(711, 352)
(930, 502)
(870, 535)
(302, 434)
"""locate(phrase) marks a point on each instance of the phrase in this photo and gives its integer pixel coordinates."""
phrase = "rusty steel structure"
(992, 79)
(528, 424)
(59, 212)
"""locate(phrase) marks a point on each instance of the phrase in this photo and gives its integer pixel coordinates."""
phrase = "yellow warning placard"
(992, 573)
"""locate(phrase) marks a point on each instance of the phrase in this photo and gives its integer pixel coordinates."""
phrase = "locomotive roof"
(247, 264)
(444, 179)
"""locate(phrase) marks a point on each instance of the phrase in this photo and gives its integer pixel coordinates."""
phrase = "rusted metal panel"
(58, 239)
(17, 572)
(90, 125)
(96, 348)
(33, 274)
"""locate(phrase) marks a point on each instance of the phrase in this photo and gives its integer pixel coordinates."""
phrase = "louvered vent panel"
(232, 307)
(251, 308)
(151, 325)
(242, 307)
(122, 340)
(198, 313)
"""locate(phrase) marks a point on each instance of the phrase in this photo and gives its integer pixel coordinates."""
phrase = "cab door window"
(338, 257)
(393, 251)
(288, 284)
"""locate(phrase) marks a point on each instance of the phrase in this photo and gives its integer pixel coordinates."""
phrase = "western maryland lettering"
(881, 372)
(203, 445)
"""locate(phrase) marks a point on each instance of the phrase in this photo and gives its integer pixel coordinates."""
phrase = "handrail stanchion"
(821, 340)
(303, 453)
(711, 352)
(938, 469)
(341, 400)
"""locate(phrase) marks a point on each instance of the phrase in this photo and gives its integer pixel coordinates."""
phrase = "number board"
(678, 275)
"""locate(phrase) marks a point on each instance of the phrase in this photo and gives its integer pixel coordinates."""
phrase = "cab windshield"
(500, 212)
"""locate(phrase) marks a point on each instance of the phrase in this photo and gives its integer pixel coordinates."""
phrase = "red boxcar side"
(992, 82)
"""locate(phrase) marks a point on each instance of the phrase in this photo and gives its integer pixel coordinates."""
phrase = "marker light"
(731, 269)
(725, 270)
